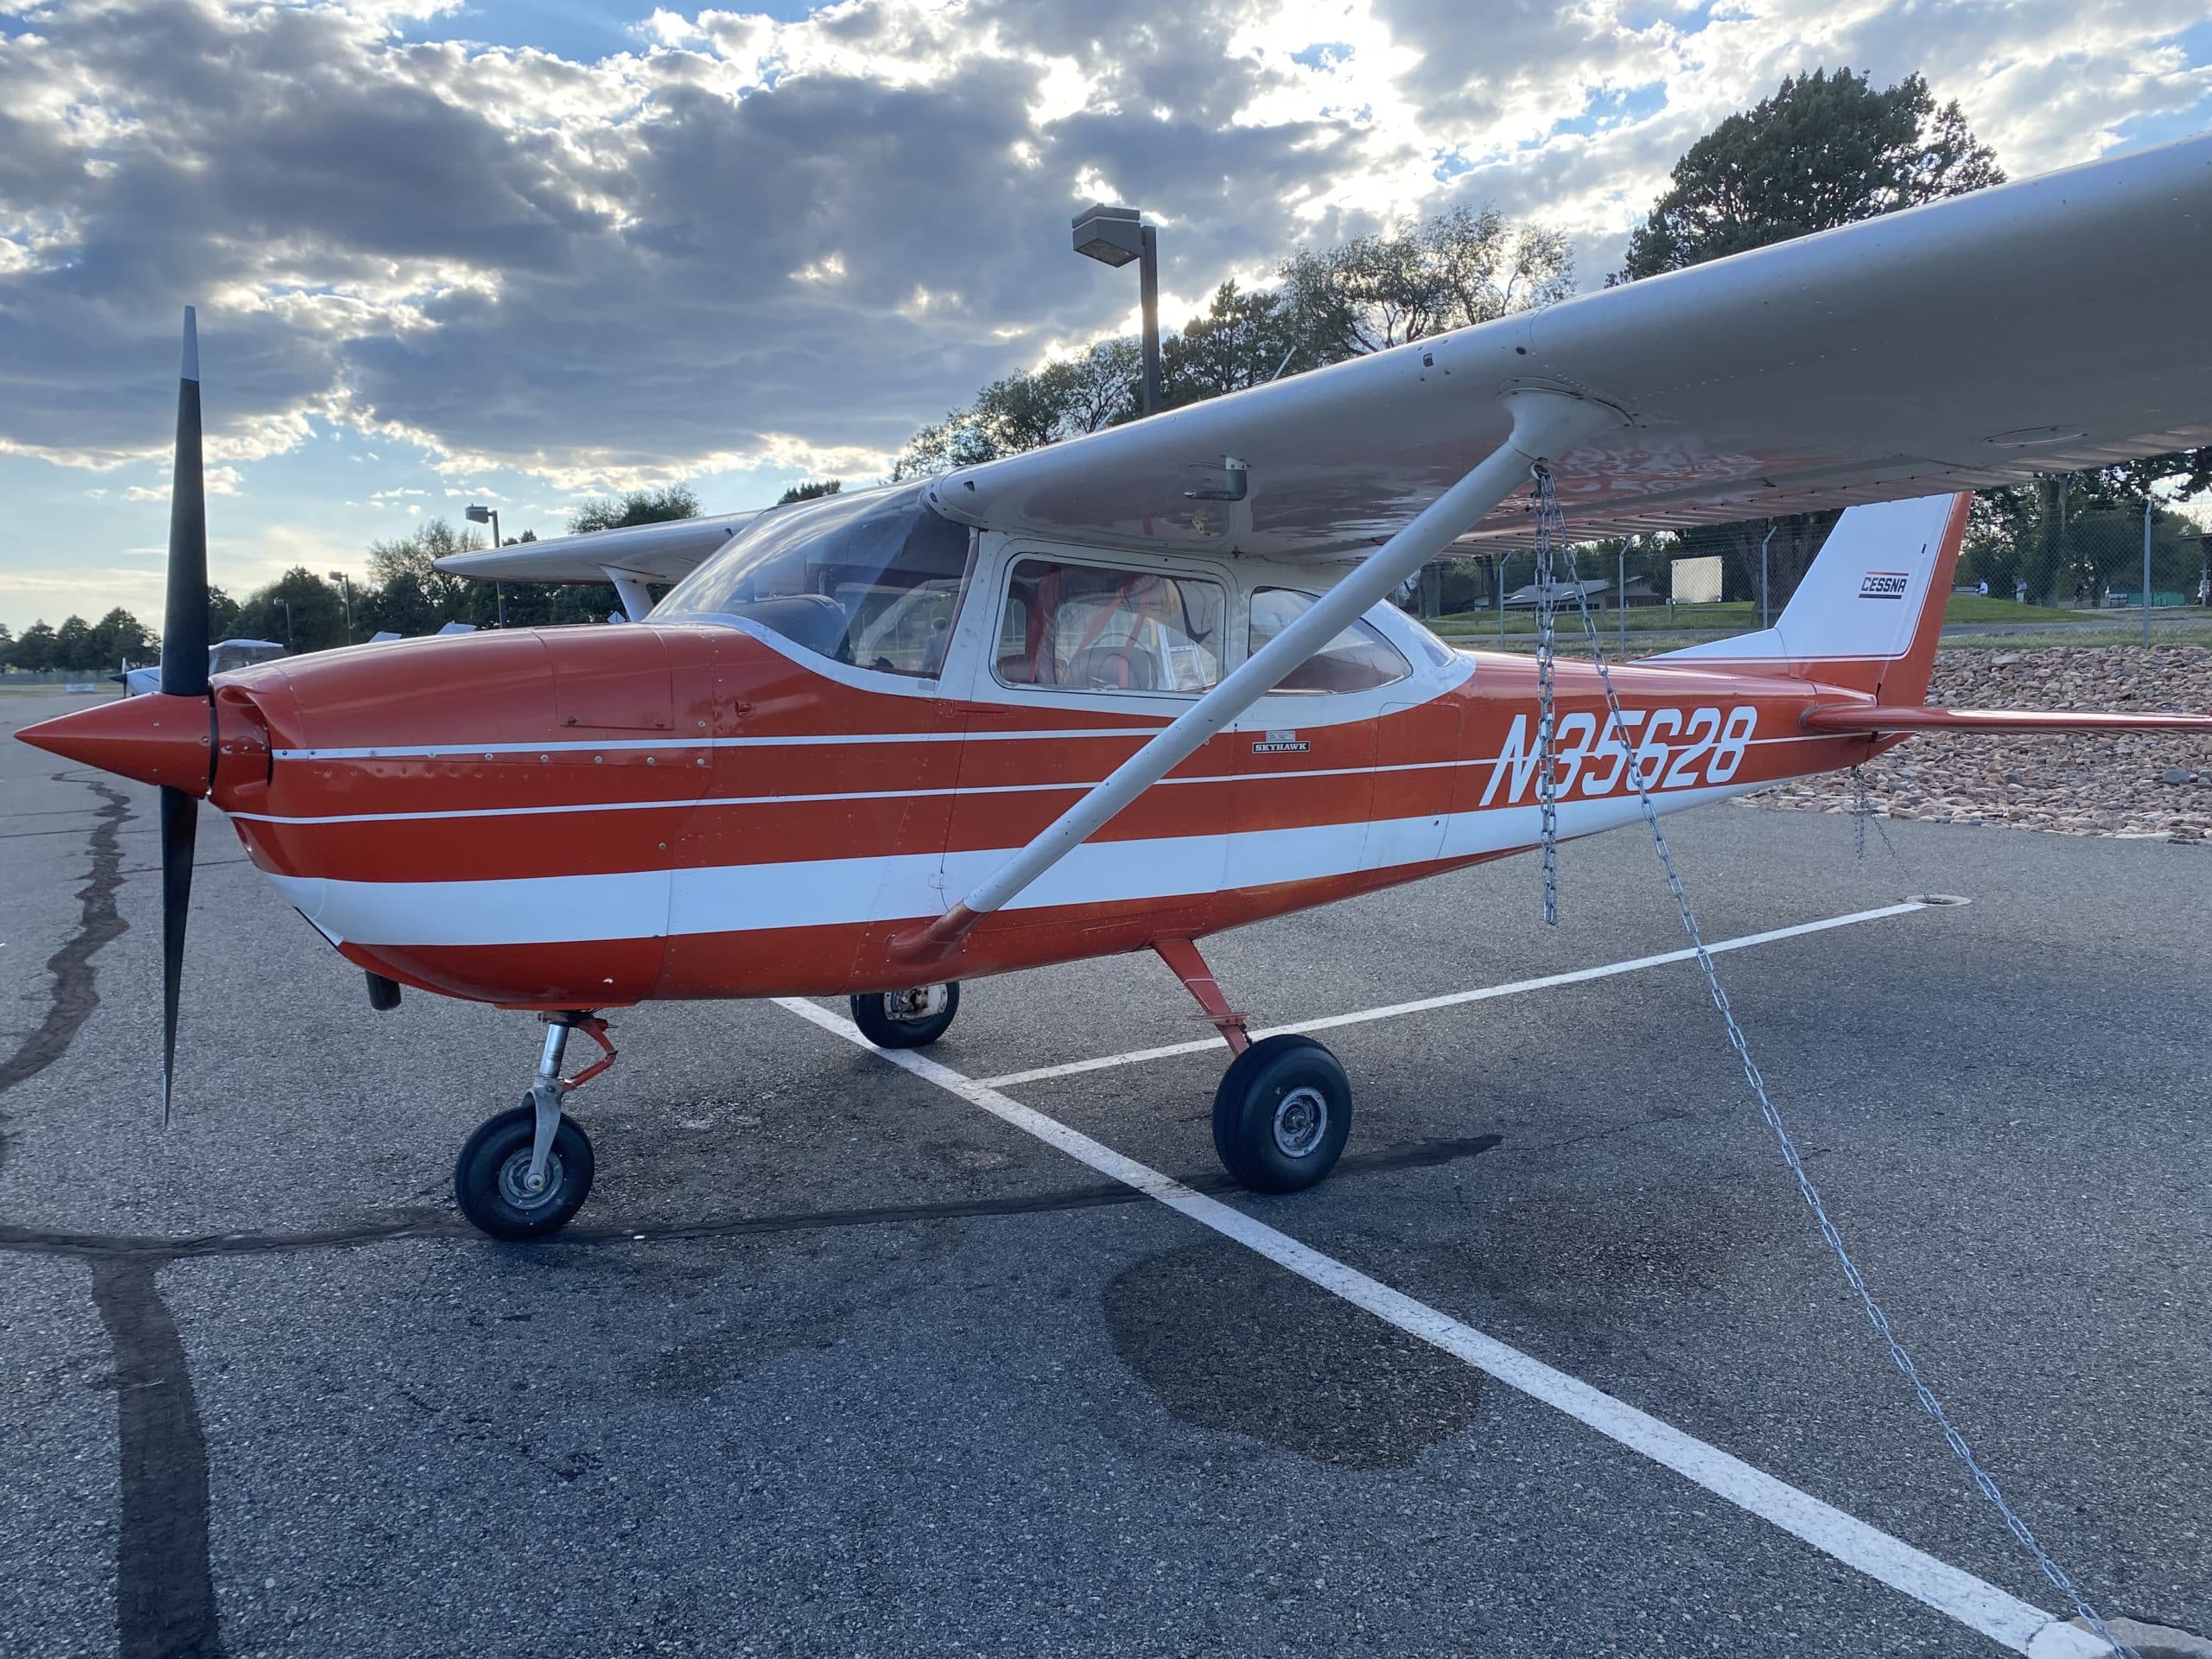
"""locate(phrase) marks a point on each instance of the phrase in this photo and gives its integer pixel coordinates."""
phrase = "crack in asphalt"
(164, 1586)
(442, 1223)
(75, 991)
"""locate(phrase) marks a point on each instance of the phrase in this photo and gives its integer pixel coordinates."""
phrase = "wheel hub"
(912, 1008)
(514, 1181)
(1301, 1119)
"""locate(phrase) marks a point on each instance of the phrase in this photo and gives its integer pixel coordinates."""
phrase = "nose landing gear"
(525, 1173)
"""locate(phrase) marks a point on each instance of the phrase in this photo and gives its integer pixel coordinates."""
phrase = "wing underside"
(1967, 343)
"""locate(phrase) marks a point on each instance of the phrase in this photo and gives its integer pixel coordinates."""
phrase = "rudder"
(1871, 606)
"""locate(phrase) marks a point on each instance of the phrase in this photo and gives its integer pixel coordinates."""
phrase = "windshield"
(872, 579)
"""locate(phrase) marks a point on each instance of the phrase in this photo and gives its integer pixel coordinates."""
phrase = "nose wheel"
(911, 1019)
(525, 1173)
(492, 1178)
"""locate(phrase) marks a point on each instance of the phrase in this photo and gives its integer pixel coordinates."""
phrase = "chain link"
(1547, 761)
(1547, 513)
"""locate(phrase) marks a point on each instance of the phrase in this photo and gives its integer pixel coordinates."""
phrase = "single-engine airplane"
(1126, 692)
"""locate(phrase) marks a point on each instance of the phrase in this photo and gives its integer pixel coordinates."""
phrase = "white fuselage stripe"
(1974, 1602)
(679, 803)
(830, 892)
(808, 741)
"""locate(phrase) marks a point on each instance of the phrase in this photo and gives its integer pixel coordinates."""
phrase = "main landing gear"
(523, 1173)
(911, 1019)
(1283, 1111)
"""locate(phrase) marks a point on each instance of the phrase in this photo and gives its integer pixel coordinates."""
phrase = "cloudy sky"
(516, 253)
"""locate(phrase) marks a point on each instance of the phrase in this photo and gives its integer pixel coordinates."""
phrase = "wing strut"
(630, 588)
(1545, 424)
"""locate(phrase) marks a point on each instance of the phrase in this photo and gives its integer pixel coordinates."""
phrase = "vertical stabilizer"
(1870, 608)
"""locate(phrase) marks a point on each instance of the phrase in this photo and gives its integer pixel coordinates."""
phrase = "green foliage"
(299, 608)
(812, 490)
(34, 651)
(408, 593)
(637, 508)
(1415, 279)
(1246, 338)
(222, 615)
(1422, 278)
(1827, 149)
(118, 638)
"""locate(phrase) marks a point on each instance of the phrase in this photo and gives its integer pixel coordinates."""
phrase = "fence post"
(2147, 572)
(1763, 605)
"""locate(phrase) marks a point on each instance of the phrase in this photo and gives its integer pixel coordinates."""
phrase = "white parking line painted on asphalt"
(1974, 1603)
(1454, 999)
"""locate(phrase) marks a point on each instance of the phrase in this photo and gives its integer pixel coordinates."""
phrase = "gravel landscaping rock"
(2073, 783)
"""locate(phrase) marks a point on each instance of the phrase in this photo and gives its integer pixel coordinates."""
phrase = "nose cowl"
(155, 739)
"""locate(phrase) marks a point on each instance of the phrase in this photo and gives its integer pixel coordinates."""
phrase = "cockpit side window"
(1085, 627)
(1358, 659)
(873, 579)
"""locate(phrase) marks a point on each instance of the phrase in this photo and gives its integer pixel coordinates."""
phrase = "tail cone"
(155, 739)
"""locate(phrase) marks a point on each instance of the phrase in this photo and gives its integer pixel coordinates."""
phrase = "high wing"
(625, 558)
(2044, 326)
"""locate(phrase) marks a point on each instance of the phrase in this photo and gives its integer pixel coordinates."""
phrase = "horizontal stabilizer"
(1871, 717)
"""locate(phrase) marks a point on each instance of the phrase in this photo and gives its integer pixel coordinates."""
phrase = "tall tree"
(1421, 278)
(222, 615)
(299, 609)
(635, 507)
(1246, 338)
(72, 644)
(119, 637)
(34, 651)
(1827, 149)
(405, 573)
(810, 489)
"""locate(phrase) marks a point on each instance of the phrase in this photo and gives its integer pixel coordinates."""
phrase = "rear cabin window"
(1358, 659)
(1081, 627)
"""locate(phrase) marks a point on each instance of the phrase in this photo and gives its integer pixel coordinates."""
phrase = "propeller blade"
(184, 674)
(180, 827)
(184, 618)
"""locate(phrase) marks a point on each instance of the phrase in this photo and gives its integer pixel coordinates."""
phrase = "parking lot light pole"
(346, 590)
(480, 515)
(1114, 236)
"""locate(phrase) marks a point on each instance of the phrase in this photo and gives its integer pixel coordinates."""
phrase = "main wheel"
(911, 1019)
(1281, 1114)
(489, 1179)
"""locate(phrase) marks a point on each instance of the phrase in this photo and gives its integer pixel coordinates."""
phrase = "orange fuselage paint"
(591, 817)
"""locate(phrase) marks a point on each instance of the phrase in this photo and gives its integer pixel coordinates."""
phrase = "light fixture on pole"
(346, 590)
(1114, 236)
(478, 515)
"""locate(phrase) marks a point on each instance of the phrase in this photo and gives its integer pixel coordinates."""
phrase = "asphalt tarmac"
(836, 1361)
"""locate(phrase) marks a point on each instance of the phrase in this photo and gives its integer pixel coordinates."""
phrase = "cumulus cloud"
(752, 243)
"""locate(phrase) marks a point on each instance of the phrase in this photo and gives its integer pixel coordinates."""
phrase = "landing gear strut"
(1283, 1111)
(525, 1173)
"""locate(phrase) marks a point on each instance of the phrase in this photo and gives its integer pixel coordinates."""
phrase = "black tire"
(874, 1013)
(1282, 1114)
(500, 1147)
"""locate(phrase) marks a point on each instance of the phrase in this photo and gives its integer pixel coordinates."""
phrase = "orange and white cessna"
(1123, 693)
